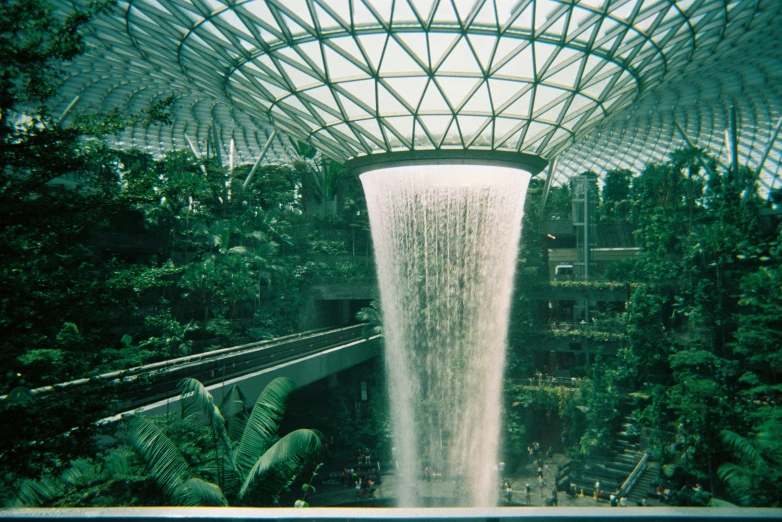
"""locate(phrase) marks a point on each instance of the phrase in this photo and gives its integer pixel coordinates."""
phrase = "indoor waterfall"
(446, 240)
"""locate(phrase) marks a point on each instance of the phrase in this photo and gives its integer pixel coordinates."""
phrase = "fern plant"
(754, 478)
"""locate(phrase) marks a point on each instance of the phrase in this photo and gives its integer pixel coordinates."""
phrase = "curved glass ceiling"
(597, 83)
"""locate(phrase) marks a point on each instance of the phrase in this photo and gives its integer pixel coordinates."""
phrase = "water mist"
(446, 240)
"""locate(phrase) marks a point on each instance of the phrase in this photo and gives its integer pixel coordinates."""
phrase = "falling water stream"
(446, 240)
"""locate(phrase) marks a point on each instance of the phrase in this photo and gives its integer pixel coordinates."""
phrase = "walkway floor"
(338, 495)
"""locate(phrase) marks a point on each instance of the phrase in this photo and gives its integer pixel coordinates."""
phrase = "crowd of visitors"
(361, 478)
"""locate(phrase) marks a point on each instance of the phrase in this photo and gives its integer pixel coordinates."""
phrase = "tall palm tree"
(252, 464)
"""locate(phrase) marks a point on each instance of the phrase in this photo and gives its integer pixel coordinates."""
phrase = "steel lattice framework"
(598, 84)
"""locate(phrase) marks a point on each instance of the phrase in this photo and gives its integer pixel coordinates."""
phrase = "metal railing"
(634, 476)
(521, 514)
(544, 381)
(597, 326)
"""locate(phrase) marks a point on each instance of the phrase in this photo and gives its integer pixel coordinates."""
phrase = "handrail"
(511, 514)
(633, 477)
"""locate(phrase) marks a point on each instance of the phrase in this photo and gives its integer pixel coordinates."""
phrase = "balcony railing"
(521, 514)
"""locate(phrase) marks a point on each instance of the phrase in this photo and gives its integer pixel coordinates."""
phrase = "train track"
(150, 383)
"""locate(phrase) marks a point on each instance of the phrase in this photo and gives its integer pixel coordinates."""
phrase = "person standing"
(528, 496)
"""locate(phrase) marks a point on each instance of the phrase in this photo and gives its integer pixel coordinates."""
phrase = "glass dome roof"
(595, 83)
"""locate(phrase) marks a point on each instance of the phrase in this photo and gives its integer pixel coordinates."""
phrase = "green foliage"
(260, 432)
(37, 443)
(279, 465)
(112, 259)
(254, 472)
(702, 334)
(33, 44)
(602, 399)
(592, 285)
(754, 478)
(107, 480)
(558, 205)
(170, 470)
(759, 333)
(170, 336)
(586, 334)
(616, 194)
(645, 357)
(537, 413)
(373, 317)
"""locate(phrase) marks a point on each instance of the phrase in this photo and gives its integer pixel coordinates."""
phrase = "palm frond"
(280, 465)
(221, 471)
(235, 413)
(33, 493)
(232, 481)
(167, 466)
(203, 493)
(197, 402)
(742, 447)
(264, 421)
(117, 465)
(739, 481)
(79, 469)
(730, 472)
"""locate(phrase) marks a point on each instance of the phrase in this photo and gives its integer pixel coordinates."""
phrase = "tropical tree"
(249, 463)
(616, 194)
(601, 409)
(645, 356)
